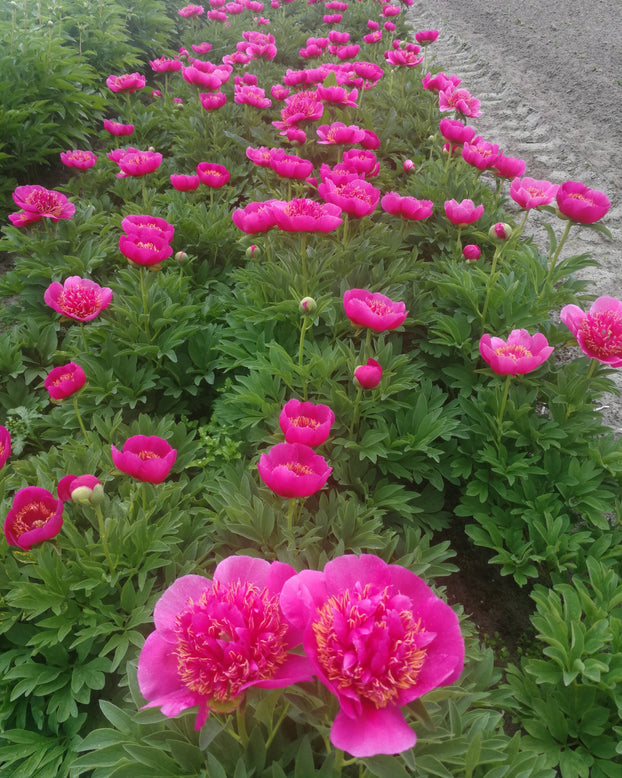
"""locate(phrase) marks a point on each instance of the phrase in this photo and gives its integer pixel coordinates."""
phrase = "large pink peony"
(377, 637)
(35, 515)
(38, 202)
(78, 298)
(305, 215)
(64, 381)
(373, 310)
(463, 213)
(306, 422)
(214, 639)
(145, 457)
(599, 330)
(293, 470)
(530, 193)
(521, 353)
(580, 204)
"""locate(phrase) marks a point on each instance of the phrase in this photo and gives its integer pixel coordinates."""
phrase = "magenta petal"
(606, 304)
(376, 731)
(295, 670)
(157, 671)
(302, 595)
(175, 599)
(242, 568)
(348, 570)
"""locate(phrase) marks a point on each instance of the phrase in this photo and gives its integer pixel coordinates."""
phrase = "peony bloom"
(188, 11)
(248, 94)
(464, 213)
(521, 353)
(80, 488)
(460, 100)
(117, 129)
(293, 470)
(145, 457)
(306, 422)
(213, 174)
(480, 153)
(63, 381)
(185, 183)
(529, 193)
(138, 223)
(580, 204)
(129, 82)
(145, 247)
(471, 252)
(509, 167)
(5, 445)
(424, 37)
(82, 160)
(24, 218)
(164, 65)
(35, 515)
(378, 638)
(339, 133)
(361, 161)
(139, 163)
(305, 215)
(409, 166)
(254, 218)
(373, 310)
(406, 207)
(439, 82)
(78, 298)
(212, 101)
(201, 48)
(337, 95)
(369, 375)
(43, 203)
(402, 58)
(456, 132)
(357, 197)
(215, 639)
(289, 165)
(599, 331)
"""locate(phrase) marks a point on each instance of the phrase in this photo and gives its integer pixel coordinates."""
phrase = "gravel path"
(549, 77)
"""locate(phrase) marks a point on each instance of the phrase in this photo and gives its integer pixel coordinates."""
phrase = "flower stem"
(104, 539)
(504, 399)
(275, 728)
(491, 281)
(241, 725)
(143, 292)
(555, 256)
(83, 333)
(290, 513)
(74, 400)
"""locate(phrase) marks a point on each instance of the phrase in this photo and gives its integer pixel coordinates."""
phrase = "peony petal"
(175, 600)
(376, 731)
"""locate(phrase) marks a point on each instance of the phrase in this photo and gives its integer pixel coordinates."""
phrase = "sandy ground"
(549, 77)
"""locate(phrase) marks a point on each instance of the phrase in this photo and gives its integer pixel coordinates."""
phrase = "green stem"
(504, 399)
(241, 725)
(104, 539)
(143, 292)
(275, 728)
(290, 513)
(592, 369)
(83, 333)
(491, 281)
(555, 256)
(74, 400)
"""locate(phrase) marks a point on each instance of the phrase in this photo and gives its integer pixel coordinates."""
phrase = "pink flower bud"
(471, 252)
(500, 230)
(369, 375)
(409, 166)
(308, 305)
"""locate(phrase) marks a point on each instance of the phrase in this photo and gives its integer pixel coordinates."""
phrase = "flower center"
(62, 378)
(355, 191)
(580, 196)
(514, 351)
(304, 421)
(149, 246)
(379, 308)
(298, 468)
(146, 454)
(45, 202)
(79, 301)
(602, 334)
(304, 207)
(233, 636)
(369, 644)
(31, 516)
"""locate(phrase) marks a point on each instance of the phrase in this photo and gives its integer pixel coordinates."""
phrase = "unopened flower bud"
(369, 375)
(84, 494)
(500, 230)
(471, 252)
(308, 305)
(181, 257)
(409, 165)
(253, 251)
(151, 148)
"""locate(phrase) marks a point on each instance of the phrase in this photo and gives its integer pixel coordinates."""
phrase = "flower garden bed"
(282, 379)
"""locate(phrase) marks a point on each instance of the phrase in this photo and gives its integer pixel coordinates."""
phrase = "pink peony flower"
(378, 638)
(332, 18)
(65, 380)
(521, 353)
(529, 193)
(402, 58)
(80, 489)
(460, 100)
(185, 183)
(254, 218)
(145, 457)
(306, 422)
(409, 166)
(369, 375)
(371, 140)
(580, 204)
(78, 298)
(425, 37)
(293, 470)
(5, 445)
(212, 101)
(361, 161)
(357, 197)
(164, 65)
(406, 207)
(215, 639)
(339, 133)
(247, 94)
(24, 218)
(201, 48)
(43, 203)
(509, 167)
(471, 252)
(305, 215)
(145, 247)
(212, 174)
(82, 160)
(117, 129)
(139, 223)
(289, 165)
(188, 11)
(129, 82)
(599, 331)
(35, 515)
(139, 163)
(480, 153)
(373, 310)
(464, 213)
(337, 95)
(456, 132)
